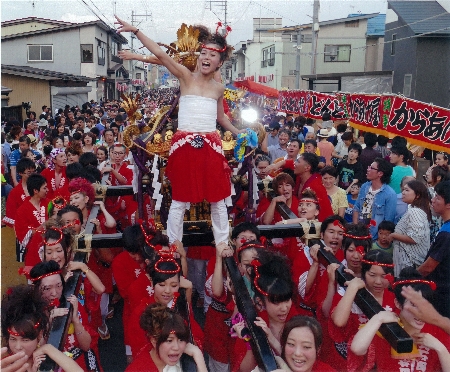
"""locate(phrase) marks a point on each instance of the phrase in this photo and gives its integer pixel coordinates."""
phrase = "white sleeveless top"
(197, 114)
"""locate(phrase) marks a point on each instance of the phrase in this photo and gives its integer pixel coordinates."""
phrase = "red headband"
(357, 237)
(305, 200)
(165, 256)
(249, 245)
(415, 281)
(256, 264)
(23, 271)
(76, 192)
(215, 49)
(377, 263)
(17, 334)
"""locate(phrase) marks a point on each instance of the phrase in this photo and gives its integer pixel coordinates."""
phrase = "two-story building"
(417, 49)
(346, 48)
(75, 62)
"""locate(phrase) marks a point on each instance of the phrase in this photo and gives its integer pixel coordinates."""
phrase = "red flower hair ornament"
(256, 264)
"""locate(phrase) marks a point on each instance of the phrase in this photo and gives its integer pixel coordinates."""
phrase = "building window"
(337, 53)
(87, 55)
(101, 46)
(394, 39)
(114, 48)
(354, 23)
(407, 80)
(40, 53)
(268, 56)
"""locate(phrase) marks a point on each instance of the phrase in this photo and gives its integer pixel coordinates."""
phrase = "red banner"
(422, 124)
(390, 115)
(311, 104)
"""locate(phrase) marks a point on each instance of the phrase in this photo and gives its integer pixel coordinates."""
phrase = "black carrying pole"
(259, 343)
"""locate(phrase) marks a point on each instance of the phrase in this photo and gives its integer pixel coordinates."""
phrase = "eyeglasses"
(118, 153)
(370, 167)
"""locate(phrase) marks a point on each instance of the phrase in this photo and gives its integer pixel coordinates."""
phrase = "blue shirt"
(383, 207)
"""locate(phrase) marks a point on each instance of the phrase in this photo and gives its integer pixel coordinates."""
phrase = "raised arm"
(365, 335)
(175, 68)
(129, 55)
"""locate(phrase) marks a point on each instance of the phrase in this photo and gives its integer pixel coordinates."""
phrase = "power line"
(270, 10)
(106, 18)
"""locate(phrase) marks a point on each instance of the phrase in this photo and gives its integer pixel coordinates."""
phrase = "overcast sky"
(165, 16)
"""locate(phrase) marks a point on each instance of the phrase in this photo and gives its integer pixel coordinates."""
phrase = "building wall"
(25, 27)
(26, 89)
(90, 35)
(340, 35)
(374, 54)
(432, 82)
(66, 52)
(404, 61)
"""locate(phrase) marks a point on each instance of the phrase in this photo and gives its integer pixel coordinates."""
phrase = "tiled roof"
(423, 16)
(43, 74)
(62, 26)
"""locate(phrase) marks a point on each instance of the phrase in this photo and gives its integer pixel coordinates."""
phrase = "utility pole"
(315, 32)
(222, 4)
(297, 65)
(133, 16)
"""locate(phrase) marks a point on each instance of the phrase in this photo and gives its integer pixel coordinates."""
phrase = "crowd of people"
(389, 229)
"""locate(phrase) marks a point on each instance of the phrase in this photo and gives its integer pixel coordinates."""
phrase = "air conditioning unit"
(292, 72)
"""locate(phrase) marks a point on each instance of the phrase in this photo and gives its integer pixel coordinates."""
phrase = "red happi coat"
(143, 361)
(380, 354)
(113, 204)
(341, 335)
(87, 360)
(139, 339)
(218, 343)
(15, 199)
(54, 190)
(28, 238)
(125, 271)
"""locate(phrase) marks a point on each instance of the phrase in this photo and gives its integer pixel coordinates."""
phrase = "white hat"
(43, 123)
(323, 133)
(281, 114)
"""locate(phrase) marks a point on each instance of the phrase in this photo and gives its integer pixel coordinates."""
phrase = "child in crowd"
(326, 148)
(384, 243)
(350, 171)
(352, 197)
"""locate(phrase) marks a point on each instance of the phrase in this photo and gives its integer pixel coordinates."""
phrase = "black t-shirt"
(348, 172)
(440, 251)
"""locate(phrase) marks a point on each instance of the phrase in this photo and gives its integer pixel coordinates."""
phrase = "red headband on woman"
(166, 256)
(24, 271)
(17, 334)
(415, 281)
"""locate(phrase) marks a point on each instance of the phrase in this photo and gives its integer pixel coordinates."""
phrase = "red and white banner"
(388, 114)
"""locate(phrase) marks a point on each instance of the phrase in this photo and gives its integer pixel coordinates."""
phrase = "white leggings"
(219, 219)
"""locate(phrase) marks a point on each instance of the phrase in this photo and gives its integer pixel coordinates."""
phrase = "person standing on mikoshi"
(197, 168)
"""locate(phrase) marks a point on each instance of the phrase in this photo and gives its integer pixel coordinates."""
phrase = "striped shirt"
(414, 224)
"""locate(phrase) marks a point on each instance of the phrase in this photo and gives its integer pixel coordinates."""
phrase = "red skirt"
(198, 173)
